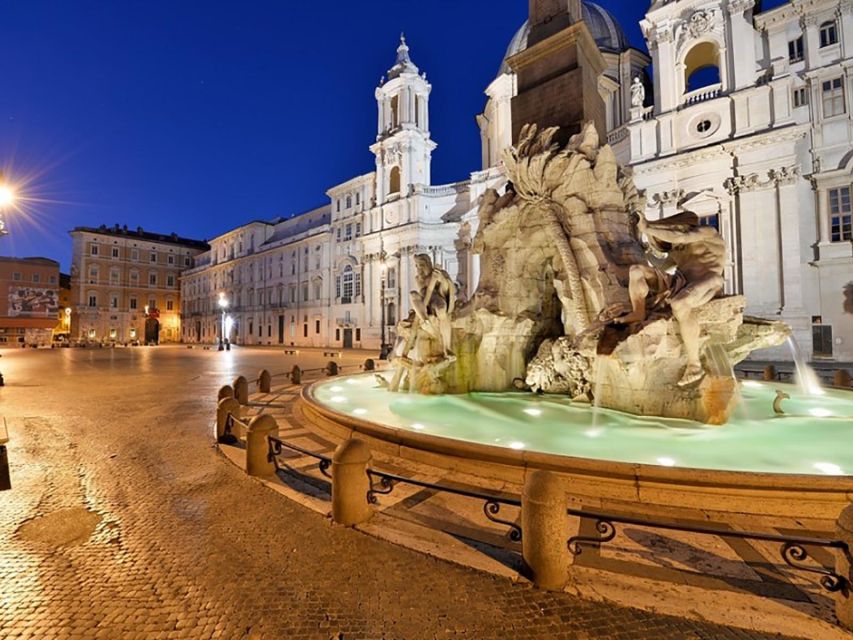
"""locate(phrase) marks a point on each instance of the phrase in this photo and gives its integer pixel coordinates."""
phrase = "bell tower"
(403, 146)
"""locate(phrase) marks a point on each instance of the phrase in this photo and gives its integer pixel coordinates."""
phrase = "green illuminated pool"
(812, 438)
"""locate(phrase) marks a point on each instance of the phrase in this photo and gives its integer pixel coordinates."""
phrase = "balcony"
(703, 95)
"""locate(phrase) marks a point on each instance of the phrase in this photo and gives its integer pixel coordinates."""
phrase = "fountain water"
(807, 378)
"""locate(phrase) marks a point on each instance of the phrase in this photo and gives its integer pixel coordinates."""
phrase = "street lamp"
(223, 304)
(384, 348)
(7, 199)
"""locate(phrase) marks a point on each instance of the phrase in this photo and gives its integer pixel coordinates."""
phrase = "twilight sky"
(195, 116)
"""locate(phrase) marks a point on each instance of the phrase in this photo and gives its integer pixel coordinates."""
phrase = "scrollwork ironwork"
(491, 508)
(604, 527)
(795, 554)
(384, 486)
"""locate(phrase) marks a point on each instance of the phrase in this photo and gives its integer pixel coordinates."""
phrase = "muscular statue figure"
(698, 254)
(435, 299)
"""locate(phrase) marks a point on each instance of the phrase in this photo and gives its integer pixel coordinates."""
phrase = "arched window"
(395, 116)
(349, 202)
(394, 185)
(702, 67)
(347, 285)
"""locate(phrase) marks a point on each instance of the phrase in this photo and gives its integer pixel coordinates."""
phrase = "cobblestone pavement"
(150, 534)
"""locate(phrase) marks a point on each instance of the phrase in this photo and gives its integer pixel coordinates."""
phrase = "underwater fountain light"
(666, 462)
(533, 412)
(819, 412)
(829, 468)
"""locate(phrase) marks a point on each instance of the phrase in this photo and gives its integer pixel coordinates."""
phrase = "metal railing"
(277, 445)
(793, 550)
(386, 482)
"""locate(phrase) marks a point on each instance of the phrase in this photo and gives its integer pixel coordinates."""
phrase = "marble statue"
(698, 255)
(638, 92)
(569, 301)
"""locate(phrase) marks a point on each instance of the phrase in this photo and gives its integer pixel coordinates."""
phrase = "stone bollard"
(350, 483)
(226, 407)
(241, 389)
(369, 365)
(257, 446)
(769, 373)
(264, 381)
(842, 378)
(226, 391)
(844, 567)
(545, 530)
(332, 368)
(296, 375)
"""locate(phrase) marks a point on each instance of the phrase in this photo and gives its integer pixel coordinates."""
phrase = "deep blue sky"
(194, 116)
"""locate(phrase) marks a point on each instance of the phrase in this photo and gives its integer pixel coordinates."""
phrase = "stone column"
(545, 530)
(241, 389)
(264, 381)
(350, 483)
(257, 447)
(226, 407)
(844, 560)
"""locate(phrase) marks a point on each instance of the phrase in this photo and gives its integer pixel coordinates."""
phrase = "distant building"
(29, 301)
(125, 284)
(62, 330)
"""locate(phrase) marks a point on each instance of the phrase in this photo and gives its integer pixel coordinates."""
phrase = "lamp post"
(223, 304)
(383, 347)
(7, 199)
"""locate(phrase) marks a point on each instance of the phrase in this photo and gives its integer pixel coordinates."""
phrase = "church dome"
(605, 30)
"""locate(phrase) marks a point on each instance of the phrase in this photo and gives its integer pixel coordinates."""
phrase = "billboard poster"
(29, 302)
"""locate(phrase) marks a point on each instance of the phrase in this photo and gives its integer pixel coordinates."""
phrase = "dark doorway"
(822, 340)
(198, 331)
(152, 331)
(347, 338)
(281, 329)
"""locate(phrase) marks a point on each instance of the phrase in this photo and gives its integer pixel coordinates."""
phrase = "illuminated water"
(814, 437)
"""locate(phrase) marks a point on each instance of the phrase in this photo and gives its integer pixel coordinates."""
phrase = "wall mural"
(31, 302)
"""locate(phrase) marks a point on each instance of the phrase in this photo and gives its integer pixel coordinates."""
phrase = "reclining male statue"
(698, 254)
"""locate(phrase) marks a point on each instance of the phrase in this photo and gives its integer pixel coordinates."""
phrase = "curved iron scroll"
(604, 527)
(383, 487)
(276, 446)
(794, 554)
(491, 509)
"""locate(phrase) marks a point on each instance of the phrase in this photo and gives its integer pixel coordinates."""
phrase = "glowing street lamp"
(7, 200)
(223, 304)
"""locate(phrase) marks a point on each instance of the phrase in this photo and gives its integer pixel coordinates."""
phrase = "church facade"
(746, 122)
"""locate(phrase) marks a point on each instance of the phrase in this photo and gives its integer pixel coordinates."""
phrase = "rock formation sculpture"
(561, 258)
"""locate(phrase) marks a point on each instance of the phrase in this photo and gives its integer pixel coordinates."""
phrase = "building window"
(153, 257)
(704, 126)
(93, 275)
(337, 335)
(16, 276)
(36, 278)
(338, 234)
(152, 279)
(796, 50)
(94, 250)
(317, 290)
(52, 279)
(392, 278)
(357, 285)
(801, 97)
(134, 255)
(114, 301)
(134, 278)
(357, 229)
(304, 292)
(349, 202)
(317, 327)
(170, 280)
(347, 285)
(134, 304)
(152, 304)
(337, 287)
(170, 305)
(357, 199)
(828, 34)
(338, 206)
(358, 335)
(115, 252)
(710, 221)
(348, 233)
(93, 300)
(292, 294)
(840, 215)
(186, 261)
(833, 97)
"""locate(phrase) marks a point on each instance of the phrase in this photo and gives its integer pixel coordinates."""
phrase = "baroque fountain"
(601, 345)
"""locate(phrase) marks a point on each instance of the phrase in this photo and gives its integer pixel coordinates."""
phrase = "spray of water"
(598, 378)
(806, 376)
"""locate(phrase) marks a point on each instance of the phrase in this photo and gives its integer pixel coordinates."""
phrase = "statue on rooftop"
(638, 92)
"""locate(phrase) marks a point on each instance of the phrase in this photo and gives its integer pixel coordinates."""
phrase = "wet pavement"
(124, 522)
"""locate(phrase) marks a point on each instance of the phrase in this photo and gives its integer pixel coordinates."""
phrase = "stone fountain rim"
(477, 452)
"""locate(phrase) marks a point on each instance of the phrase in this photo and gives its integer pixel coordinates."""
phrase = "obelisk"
(559, 71)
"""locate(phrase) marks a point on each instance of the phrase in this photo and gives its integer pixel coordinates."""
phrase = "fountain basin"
(796, 465)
